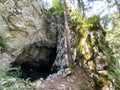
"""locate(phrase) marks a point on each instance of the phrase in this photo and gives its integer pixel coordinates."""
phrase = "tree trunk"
(81, 7)
(118, 6)
(68, 44)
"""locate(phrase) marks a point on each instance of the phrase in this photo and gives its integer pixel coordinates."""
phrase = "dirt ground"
(76, 81)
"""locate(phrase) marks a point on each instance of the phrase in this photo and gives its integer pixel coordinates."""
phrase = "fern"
(10, 81)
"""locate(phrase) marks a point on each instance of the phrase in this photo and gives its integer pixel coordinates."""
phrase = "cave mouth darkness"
(36, 65)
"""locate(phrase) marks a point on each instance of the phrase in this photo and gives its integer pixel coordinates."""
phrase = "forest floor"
(76, 81)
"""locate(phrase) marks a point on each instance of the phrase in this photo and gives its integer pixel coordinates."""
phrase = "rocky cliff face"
(35, 40)
(22, 23)
(94, 55)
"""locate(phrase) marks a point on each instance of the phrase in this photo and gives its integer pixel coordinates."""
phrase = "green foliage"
(9, 84)
(93, 20)
(101, 46)
(84, 23)
(113, 37)
(10, 80)
(114, 72)
(5, 71)
(58, 6)
(82, 87)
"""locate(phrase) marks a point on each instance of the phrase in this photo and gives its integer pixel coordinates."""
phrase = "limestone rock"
(22, 23)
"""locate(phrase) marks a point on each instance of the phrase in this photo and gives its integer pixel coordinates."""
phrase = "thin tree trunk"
(68, 46)
(81, 7)
(118, 6)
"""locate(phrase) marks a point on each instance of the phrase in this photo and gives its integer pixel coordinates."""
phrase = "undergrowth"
(9, 80)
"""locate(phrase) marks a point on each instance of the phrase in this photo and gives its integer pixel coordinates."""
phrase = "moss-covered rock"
(93, 50)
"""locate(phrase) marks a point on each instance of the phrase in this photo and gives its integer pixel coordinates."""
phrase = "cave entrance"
(35, 62)
(33, 73)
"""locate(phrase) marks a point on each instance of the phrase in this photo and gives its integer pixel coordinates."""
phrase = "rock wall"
(61, 59)
(57, 23)
(94, 55)
(22, 23)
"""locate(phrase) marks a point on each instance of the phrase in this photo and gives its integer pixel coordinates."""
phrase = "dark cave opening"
(35, 66)
(33, 73)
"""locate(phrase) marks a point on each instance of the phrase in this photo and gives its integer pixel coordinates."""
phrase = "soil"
(76, 81)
